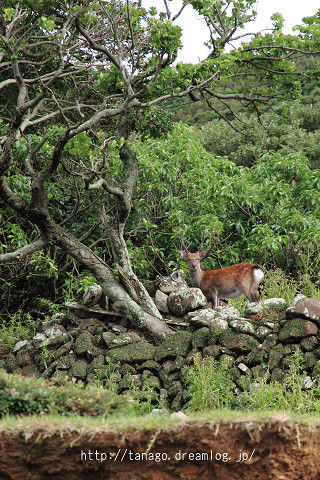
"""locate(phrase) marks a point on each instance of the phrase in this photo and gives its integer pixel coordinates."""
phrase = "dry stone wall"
(91, 348)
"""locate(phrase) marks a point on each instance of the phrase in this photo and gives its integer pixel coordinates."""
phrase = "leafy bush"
(209, 385)
(27, 396)
(267, 213)
(20, 325)
(290, 394)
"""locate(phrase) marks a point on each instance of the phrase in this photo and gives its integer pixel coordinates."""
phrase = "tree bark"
(143, 317)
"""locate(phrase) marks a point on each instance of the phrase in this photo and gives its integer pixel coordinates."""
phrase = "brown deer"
(228, 282)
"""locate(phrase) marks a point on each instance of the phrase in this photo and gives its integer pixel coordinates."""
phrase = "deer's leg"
(214, 299)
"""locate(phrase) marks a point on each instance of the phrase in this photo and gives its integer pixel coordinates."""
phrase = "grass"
(20, 325)
(86, 424)
(210, 386)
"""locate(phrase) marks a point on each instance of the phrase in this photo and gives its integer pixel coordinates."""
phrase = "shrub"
(27, 396)
(209, 385)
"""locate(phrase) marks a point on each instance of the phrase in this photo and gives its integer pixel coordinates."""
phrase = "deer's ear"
(183, 254)
(203, 254)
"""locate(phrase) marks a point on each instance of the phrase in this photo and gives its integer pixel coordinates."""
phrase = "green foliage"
(294, 129)
(268, 213)
(20, 325)
(290, 394)
(209, 385)
(108, 377)
(75, 284)
(28, 396)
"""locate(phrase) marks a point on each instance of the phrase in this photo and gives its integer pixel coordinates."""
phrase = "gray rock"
(243, 368)
(39, 337)
(57, 318)
(186, 300)
(227, 312)
(262, 331)
(308, 383)
(92, 295)
(19, 345)
(161, 301)
(175, 281)
(242, 325)
(159, 411)
(206, 317)
(113, 340)
(306, 307)
(274, 304)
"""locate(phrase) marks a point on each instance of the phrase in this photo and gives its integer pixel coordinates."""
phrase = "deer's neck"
(196, 276)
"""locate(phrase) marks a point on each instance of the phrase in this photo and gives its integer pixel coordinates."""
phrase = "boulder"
(186, 300)
(274, 304)
(161, 301)
(175, 345)
(302, 306)
(136, 352)
(206, 317)
(295, 329)
(237, 342)
(173, 282)
(242, 325)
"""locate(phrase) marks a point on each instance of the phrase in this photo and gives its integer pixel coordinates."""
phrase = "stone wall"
(84, 348)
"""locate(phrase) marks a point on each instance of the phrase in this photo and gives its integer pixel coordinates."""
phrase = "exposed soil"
(280, 449)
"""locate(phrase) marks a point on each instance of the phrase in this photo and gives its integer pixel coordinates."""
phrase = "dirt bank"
(276, 448)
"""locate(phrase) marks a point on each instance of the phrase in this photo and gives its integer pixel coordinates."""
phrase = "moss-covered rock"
(212, 351)
(11, 363)
(186, 300)
(150, 365)
(269, 342)
(96, 364)
(200, 338)
(275, 356)
(136, 352)
(83, 343)
(175, 389)
(175, 345)
(129, 381)
(255, 357)
(167, 378)
(297, 328)
(309, 360)
(237, 342)
(79, 369)
(30, 371)
(176, 403)
(308, 344)
(259, 371)
(152, 382)
(316, 370)
(63, 350)
(65, 362)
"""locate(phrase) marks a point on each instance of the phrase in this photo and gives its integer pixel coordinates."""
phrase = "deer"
(228, 282)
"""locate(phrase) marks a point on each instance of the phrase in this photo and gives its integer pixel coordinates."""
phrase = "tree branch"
(23, 251)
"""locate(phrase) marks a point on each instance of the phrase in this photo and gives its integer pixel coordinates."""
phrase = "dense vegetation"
(239, 162)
